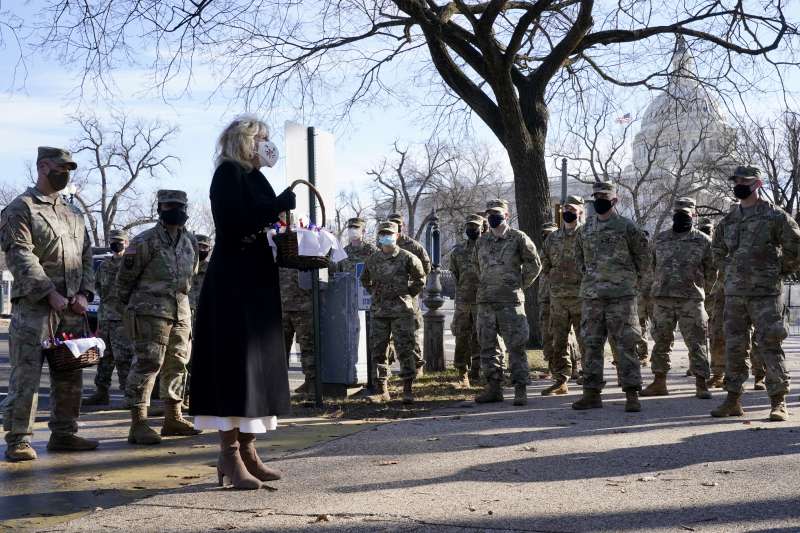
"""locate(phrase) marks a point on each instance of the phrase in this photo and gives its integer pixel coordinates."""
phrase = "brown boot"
(140, 432)
(100, 397)
(589, 400)
(732, 406)
(632, 403)
(230, 464)
(520, 395)
(558, 387)
(251, 460)
(462, 381)
(716, 381)
(174, 423)
(67, 442)
(408, 392)
(474, 373)
(759, 383)
(492, 392)
(701, 388)
(778, 412)
(658, 387)
(381, 393)
(21, 451)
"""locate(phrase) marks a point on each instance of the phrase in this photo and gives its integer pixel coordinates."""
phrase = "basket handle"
(316, 193)
(86, 329)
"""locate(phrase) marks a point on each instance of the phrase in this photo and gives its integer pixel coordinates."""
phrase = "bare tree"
(7, 193)
(201, 220)
(349, 205)
(115, 158)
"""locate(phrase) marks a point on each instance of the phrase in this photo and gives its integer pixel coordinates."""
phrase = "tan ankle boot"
(778, 411)
(701, 388)
(559, 386)
(732, 406)
(658, 387)
(381, 393)
(590, 400)
(408, 391)
(140, 432)
(251, 460)
(174, 423)
(632, 403)
(492, 392)
(230, 464)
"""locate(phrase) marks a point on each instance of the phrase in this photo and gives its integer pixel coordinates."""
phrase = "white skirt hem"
(245, 425)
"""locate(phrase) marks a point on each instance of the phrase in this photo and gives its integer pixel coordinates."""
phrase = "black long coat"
(238, 358)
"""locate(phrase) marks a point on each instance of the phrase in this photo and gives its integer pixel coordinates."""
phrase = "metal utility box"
(343, 332)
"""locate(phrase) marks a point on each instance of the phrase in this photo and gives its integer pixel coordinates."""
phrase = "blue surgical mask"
(387, 240)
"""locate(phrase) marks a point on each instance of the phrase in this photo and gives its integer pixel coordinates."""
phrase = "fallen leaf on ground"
(172, 453)
(709, 483)
(191, 477)
(323, 518)
(225, 527)
(94, 478)
(471, 509)
(529, 448)
(431, 439)
(172, 475)
(724, 471)
(200, 446)
(387, 463)
(139, 487)
(490, 512)
(646, 478)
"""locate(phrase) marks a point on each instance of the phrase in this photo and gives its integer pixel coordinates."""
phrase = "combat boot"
(778, 412)
(520, 395)
(658, 387)
(140, 432)
(21, 451)
(732, 406)
(589, 400)
(305, 387)
(174, 423)
(67, 442)
(701, 388)
(759, 383)
(381, 393)
(716, 381)
(408, 392)
(689, 373)
(558, 387)
(632, 403)
(492, 392)
(463, 380)
(474, 373)
(100, 397)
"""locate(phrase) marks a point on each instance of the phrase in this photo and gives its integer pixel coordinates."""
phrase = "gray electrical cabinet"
(343, 332)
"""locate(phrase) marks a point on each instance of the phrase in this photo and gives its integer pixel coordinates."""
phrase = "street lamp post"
(433, 350)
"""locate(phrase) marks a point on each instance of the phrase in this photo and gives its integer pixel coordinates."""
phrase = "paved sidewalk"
(542, 468)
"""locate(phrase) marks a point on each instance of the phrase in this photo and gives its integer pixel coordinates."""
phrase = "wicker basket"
(288, 255)
(60, 359)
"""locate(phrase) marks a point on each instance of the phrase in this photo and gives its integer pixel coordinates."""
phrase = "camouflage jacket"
(293, 298)
(756, 249)
(613, 257)
(106, 287)
(355, 255)
(197, 283)
(156, 274)
(46, 246)
(393, 280)
(558, 264)
(683, 266)
(415, 247)
(508, 265)
(464, 266)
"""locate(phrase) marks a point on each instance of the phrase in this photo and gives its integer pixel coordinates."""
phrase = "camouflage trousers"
(301, 324)
(507, 320)
(690, 316)
(119, 354)
(617, 320)
(402, 330)
(464, 328)
(160, 345)
(29, 327)
(763, 313)
(644, 309)
(545, 326)
(565, 315)
(716, 335)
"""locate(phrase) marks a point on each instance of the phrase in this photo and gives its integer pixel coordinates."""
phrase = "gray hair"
(236, 141)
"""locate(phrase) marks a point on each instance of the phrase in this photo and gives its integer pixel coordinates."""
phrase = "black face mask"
(602, 206)
(495, 219)
(117, 247)
(472, 233)
(569, 217)
(742, 191)
(174, 217)
(58, 180)
(681, 222)
(203, 254)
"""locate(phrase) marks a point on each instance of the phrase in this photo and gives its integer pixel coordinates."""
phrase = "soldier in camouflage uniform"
(508, 263)
(393, 278)
(298, 320)
(49, 254)
(119, 350)
(543, 297)
(644, 307)
(357, 249)
(464, 266)
(613, 255)
(683, 272)
(756, 244)
(558, 264)
(153, 284)
(203, 256)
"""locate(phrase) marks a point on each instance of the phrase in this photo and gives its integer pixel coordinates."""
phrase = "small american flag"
(624, 119)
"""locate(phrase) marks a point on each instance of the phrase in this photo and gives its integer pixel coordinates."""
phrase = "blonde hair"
(236, 141)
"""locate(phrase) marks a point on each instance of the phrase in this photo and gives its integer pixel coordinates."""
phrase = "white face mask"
(354, 234)
(267, 153)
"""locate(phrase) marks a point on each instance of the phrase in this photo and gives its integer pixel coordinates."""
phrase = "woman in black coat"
(240, 380)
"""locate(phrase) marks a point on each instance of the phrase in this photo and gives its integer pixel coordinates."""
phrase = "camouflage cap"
(497, 205)
(607, 187)
(166, 196)
(684, 204)
(474, 219)
(749, 172)
(389, 227)
(576, 201)
(397, 218)
(56, 154)
(549, 227)
(117, 235)
(356, 222)
(203, 239)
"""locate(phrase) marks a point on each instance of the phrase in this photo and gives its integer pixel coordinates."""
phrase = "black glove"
(286, 200)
